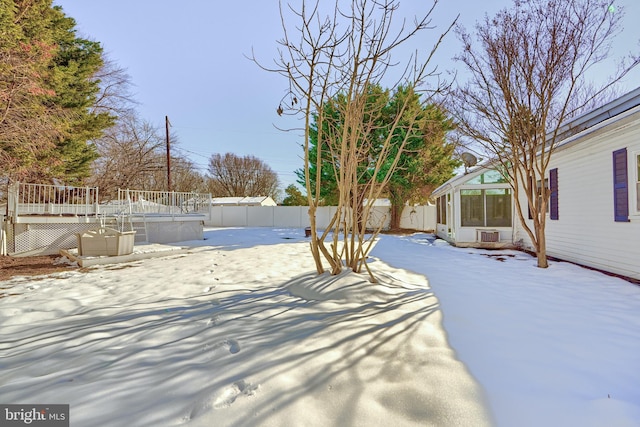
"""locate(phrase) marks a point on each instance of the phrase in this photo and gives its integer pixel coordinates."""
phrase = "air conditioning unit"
(488, 236)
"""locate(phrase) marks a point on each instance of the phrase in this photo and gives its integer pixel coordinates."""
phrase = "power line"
(207, 157)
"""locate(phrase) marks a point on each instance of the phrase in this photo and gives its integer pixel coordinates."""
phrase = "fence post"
(14, 194)
(173, 205)
(86, 201)
(3, 236)
(97, 202)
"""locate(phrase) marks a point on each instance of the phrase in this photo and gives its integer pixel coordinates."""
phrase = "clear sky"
(187, 61)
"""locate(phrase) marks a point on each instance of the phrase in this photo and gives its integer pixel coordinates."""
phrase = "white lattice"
(45, 238)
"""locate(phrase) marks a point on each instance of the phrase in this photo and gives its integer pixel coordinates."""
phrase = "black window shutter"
(620, 186)
(553, 196)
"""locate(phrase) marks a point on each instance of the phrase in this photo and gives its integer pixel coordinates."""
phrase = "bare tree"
(115, 90)
(529, 74)
(234, 176)
(185, 175)
(334, 59)
(131, 156)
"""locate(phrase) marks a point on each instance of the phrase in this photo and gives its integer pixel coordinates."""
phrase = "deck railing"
(60, 200)
(47, 199)
(163, 202)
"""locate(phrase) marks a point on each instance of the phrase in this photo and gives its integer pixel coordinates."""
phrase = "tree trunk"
(397, 206)
(541, 249)
(315, 249)
(396, 216)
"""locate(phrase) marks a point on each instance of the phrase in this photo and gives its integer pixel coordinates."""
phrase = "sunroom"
(475, 209)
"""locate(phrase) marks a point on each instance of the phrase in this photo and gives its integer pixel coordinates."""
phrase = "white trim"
(566, 142)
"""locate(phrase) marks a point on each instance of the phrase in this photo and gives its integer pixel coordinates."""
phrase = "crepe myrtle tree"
(529, 68)
(334, 54)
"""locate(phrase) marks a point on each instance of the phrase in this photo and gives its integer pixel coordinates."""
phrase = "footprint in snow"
(228, 395)
(214, 320)
(232, 346)
(222, 399)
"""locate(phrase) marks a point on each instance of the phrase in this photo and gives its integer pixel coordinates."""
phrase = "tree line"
(69, 115)
(530, 71)
(66, 111)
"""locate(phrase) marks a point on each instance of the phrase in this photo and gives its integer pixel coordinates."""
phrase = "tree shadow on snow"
(313, 334)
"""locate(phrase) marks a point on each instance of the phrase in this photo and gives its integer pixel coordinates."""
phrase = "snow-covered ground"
(551, 347)
(241, 331)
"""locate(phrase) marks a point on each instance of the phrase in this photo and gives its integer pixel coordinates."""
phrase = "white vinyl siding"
(587, 233)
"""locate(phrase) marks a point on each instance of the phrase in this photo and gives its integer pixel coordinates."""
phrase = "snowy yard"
(241, 331)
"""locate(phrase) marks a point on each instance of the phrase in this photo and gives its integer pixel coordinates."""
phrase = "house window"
(442, 210)
(486, 208)
(472, 207)
(620, 186)
(498, 202)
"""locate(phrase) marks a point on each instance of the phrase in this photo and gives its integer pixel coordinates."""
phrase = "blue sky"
(187, 61)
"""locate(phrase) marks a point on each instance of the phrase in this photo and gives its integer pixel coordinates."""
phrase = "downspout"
(452, 216)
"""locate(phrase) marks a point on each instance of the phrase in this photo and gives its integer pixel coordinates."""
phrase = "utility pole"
(167, 124)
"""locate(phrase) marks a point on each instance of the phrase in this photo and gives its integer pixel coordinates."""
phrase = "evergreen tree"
(294, 197)
(47, 90)
(426, 161)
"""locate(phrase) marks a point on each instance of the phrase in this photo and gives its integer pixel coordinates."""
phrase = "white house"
(594, 213)
(243, 201)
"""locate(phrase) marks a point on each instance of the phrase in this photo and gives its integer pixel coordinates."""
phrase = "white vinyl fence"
(421, 218)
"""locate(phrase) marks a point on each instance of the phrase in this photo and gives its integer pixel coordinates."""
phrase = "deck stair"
(140, 227)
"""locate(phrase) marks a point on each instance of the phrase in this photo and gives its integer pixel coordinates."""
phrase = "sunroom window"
(489, 177)
(486, 208)
(442, 210)
(472, 208)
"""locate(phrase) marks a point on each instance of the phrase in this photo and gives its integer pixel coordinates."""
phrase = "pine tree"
(47, 91)
(294, 197)
(426, 161)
